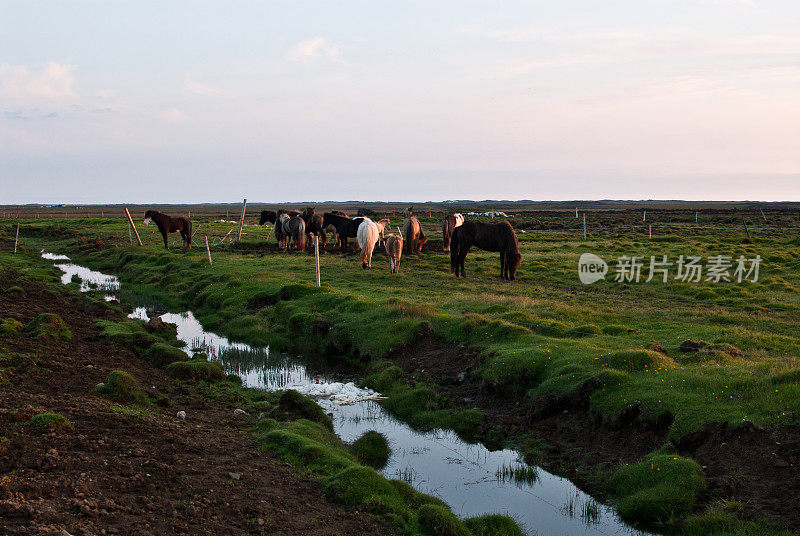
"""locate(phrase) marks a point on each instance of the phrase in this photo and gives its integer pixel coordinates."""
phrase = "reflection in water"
(468, 477)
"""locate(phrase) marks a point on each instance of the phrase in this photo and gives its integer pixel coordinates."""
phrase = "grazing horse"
(345, 227)
(368, 234)
(489, 237)
(339, 213)
(415, 238)
(314, 225)
(449, 223)
(394, 248)
(366, 212)
(167, 224)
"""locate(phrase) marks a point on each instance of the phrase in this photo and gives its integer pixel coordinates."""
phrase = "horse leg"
(502, 264)
(462, 255)
(166, 242)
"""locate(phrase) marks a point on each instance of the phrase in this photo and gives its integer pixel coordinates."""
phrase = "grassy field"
(545, 334)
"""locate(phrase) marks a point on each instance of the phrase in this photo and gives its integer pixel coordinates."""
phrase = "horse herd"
(293, 230)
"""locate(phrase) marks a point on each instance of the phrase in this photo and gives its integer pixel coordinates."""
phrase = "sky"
(197, 101)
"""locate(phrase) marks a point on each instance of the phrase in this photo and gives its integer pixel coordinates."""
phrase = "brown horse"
(167, 224)
(414, 236)
(449, 224)
(489, 237)
(314, 226)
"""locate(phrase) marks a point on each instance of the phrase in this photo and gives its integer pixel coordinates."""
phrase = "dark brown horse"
(489, 237)
(449, 224)
(267, 216)
(314, 226)
(345, 227)
(167, 224)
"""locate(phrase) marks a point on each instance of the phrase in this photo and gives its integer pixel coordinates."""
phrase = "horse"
(167, 224)
(382, 225)
(281, 222)
(339, 213)
(267, 216)
(415, 238)
(489, 237)
(294, 229)
(394, 249)
(449, 223)
(368, 233)
(366, 212)
(345, 227)
(314, 225)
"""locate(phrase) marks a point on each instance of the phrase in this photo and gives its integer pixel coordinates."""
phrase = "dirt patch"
(749, 463)
(745, 463)
(126, 470)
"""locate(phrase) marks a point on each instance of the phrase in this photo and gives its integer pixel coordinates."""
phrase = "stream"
(471, 479)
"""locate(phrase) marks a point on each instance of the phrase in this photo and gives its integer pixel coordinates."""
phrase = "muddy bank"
(120, 470)
(746, 463)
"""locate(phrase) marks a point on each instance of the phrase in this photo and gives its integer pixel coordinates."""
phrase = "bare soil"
(117, 473)
(747, 463)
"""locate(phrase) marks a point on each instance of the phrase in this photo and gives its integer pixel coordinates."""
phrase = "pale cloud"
(197, 88)
(314, 50)
(52, 82)
(173, 115)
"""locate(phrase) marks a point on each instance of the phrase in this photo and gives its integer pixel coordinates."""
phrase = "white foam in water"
(90, 279)
(439, 463)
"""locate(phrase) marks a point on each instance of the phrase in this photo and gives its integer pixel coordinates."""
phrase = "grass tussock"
(49, 325)
(661, 488)
(122, 388)
(372, 449)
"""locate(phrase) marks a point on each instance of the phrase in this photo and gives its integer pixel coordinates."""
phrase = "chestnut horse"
(414, 236)
(449, 224)
(489, 237)
(167, 224)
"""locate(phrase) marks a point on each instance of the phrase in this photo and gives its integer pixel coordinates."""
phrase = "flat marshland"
(595, 381)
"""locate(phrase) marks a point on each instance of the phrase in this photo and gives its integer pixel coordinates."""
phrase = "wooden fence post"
(584, 226)
(316, 256)
(16, 239)
(746, 230)
(208, 250)
(130, 221)
(241, 221)
(650, 231)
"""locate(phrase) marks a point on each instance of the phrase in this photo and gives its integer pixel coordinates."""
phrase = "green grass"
(49, 325)
(195, 370)
(123, 388)
(372, 449)
(50, 421)
(663, 487)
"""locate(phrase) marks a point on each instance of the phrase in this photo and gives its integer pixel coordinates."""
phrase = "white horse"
(368, 233)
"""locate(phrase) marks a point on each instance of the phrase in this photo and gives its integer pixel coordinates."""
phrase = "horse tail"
(300, 236)
(454, 247)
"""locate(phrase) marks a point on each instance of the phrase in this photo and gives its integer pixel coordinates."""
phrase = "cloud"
(173, 115)
(315, 50)
(51, 82)
(202, 89)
